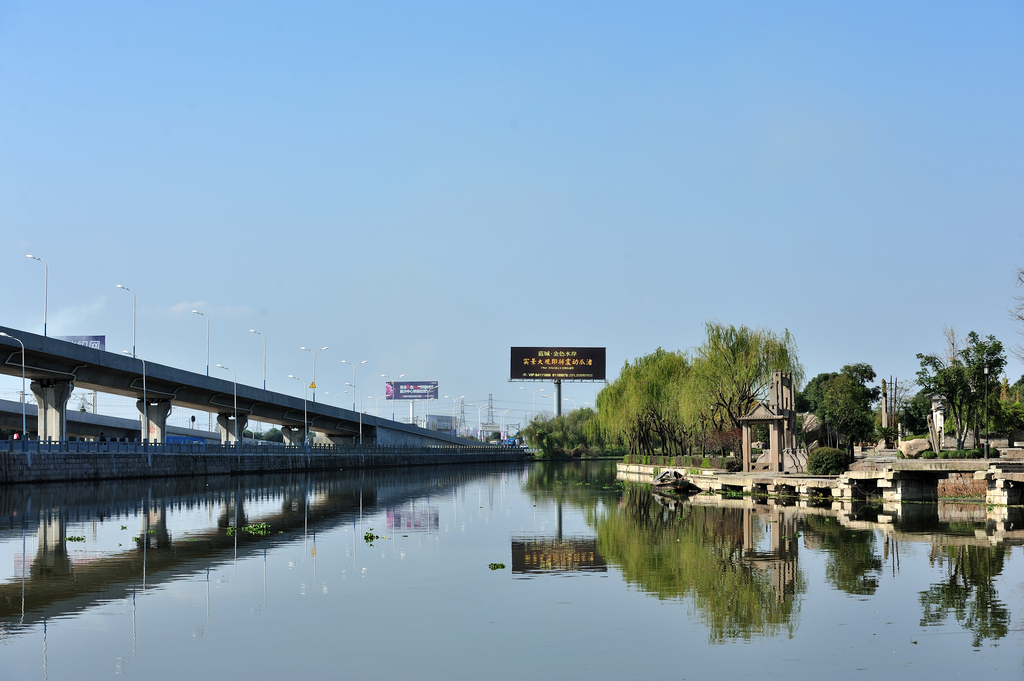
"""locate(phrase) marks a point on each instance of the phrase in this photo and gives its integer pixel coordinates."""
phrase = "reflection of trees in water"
(698, 552)
(573, 483)
(968, 592)
(851, 564)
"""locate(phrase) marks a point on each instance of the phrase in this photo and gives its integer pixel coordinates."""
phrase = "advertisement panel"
(410, 390)
(565, 364)
(441, 423)
(94, 342)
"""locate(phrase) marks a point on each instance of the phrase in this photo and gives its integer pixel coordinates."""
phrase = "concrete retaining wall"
(123, 460)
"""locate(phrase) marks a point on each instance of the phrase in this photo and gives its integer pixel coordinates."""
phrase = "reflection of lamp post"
(304, 429)
(353, 382)
(207, 339)
(133, 315)
(392, 381)
(24, 430)
(46, 280)
(235, 376)
(145, 402)
(360, 411)
(312, 383)
(533, 413)
(264, 355)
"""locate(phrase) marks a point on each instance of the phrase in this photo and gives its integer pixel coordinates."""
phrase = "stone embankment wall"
(112, 462)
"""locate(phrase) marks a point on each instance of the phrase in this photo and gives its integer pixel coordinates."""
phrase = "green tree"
(809, 399)
(959, 377)
(734, 366)
(846, 402)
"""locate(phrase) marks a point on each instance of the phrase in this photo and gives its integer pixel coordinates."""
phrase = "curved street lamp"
(335, 395)
(455, 402)
(125, 288)
(313, 382)
(533, 414)
(305, 430)
(207, 339)
(46, 280)
(145, 401)
(360, 411)
(354, 380)
(392, 381)
(24, 428)
(264, 355)
(235, 377)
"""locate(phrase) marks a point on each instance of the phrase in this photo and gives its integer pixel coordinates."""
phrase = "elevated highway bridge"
(55, 367)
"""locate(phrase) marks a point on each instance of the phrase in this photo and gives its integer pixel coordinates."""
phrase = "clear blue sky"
(424, 185)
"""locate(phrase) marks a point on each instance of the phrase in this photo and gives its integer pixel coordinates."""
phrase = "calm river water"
(599, 579)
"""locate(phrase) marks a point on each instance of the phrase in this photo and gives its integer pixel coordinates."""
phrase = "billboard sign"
(410, 390)
(441, 423)
(564, 364)
(94, 342)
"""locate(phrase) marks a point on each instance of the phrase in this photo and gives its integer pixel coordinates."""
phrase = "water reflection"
(968, 592)
(738, 567)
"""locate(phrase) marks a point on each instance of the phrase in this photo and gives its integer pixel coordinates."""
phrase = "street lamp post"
(133, 315)
(335, 395)
(235, 381)
(360, 411)
(503, 421)
(533, 414)
(479, 421)
(566, 399)
(46, 283)
(986, 411)
(305, 437)
(354, 380)
(24, 421)
(455, 419)
(264, 355)
(312, 384)
(145, 402)
(207, 339)
(392, 381)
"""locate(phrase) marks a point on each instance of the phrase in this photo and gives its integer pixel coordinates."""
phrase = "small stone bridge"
(892, 480)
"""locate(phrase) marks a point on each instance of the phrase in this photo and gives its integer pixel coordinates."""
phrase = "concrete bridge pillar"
(338, 440)
(52, 400)
(226, 426)
(292, 437)
(157, 412)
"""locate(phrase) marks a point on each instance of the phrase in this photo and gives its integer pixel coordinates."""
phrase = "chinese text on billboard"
(566, 364)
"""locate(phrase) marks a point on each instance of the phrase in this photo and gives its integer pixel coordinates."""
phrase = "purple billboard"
(410, 390)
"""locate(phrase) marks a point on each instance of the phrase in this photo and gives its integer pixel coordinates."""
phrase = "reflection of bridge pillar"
(227, 515)
(226, 425)
(52, 551)
(158, 537)
(52, 400)
(156, 429)
(292, 437)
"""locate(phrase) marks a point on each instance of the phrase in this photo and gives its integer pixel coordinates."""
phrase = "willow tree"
(644, 405)
(733, 368)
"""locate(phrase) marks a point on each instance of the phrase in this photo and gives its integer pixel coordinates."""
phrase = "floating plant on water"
(497, 566)
(260, 529)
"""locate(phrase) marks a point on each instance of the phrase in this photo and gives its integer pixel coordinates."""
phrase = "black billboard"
(410, 390)
(564, 364)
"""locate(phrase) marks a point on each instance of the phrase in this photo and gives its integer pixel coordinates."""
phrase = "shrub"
(827, 461)
(733, 466)
(929, 455)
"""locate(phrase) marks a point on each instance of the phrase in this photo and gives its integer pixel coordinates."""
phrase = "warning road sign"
(312, 386)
